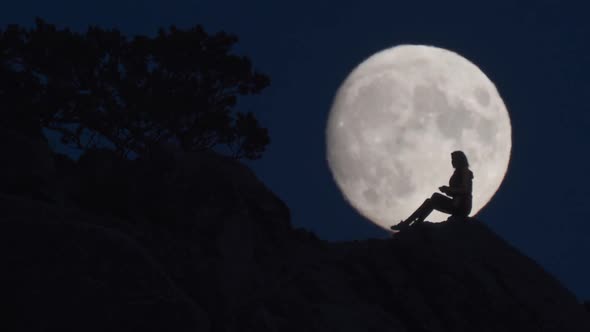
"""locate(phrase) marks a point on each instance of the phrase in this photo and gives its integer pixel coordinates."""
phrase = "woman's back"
(462, 181)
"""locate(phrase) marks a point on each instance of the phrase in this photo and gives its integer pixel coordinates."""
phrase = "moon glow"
(395, 121)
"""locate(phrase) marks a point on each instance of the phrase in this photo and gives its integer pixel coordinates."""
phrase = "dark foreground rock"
(195, 242)
(460, 277)
(60, 273)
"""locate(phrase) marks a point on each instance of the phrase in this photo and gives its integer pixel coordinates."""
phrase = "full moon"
(395, 121)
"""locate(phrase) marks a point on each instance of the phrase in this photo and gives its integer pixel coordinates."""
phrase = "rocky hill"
(195, 242)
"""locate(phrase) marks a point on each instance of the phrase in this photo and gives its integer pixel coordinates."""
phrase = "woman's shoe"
(402, 225)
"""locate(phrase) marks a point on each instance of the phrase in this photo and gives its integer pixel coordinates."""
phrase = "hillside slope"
(195, 242)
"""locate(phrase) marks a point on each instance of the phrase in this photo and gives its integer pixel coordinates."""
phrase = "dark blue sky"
(536, 52)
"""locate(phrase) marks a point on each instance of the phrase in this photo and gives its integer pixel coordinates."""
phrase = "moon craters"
(371, 196)
(487, 130)
(430, 102)
(482, 97)
(428, 99)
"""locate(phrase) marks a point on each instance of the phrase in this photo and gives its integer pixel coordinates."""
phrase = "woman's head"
(459, 159)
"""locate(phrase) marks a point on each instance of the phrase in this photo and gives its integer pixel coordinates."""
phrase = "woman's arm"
(464, 187)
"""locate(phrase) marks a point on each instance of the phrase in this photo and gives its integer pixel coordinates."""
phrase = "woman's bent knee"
(437, 196)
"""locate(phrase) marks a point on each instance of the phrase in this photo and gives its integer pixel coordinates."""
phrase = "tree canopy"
(179, 86)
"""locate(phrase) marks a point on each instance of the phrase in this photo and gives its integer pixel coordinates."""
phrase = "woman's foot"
(402, 225)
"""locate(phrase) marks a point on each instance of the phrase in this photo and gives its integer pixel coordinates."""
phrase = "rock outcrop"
(61, 273)
(195, 242)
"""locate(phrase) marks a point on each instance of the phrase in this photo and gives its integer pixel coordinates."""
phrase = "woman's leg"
(418, 213)
(437, 202)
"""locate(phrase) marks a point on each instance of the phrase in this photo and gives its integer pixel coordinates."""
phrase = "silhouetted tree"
(179, 86)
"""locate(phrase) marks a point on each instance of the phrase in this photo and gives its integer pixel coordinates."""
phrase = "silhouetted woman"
(459, 204)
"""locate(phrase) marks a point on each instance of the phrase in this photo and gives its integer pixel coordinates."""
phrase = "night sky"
(536, 52)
